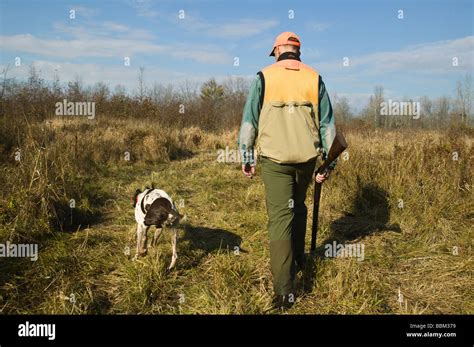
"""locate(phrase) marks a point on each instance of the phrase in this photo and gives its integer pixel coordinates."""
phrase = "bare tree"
(188, 90)
(4, 82)
(372, 112)
(426, 111)
(342, 109)
(100, 92)
(75, 89)
(56, 86)
(464, 98)
(141, 84)
(163, 95)
(441, 110)
(236, 86)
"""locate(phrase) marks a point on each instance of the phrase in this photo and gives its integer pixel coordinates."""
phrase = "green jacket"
(251, 114)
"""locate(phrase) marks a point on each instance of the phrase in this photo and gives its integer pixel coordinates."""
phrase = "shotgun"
(338, 146)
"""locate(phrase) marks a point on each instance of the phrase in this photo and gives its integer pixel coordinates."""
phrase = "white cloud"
(112, 26)
(317, 26)
(83, 11)
(431, 58)
(242, 28)
(106, 29)
(109, 47)
(232, 30)
(109, 40)
(143, 8)
(100, 47)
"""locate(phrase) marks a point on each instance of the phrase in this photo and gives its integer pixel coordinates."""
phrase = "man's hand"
(248, 170)
(321, 177)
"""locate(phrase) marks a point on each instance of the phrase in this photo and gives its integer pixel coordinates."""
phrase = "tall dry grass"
(58, 160)
(408, 247)
(405, 194)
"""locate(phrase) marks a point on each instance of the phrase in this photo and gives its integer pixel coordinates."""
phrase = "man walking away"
(288, 116)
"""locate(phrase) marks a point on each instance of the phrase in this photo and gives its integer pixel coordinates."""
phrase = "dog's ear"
(135, 197)
(156, 213)
(177, 215)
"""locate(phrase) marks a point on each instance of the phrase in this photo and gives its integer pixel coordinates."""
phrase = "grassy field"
(405, 195)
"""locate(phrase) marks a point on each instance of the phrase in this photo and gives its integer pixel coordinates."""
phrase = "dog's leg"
(156, 236)
(141, 240)
(173, 246)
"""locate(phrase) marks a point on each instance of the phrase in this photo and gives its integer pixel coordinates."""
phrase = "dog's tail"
(135, 197)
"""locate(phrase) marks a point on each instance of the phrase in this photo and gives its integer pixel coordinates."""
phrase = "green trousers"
(285, 190)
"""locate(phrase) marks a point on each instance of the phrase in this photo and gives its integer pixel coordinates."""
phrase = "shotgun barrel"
(338, 146)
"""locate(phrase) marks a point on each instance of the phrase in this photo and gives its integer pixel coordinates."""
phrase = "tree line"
(213, 106)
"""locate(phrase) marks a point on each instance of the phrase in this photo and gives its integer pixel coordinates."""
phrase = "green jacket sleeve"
(327, 128)
(249, 126)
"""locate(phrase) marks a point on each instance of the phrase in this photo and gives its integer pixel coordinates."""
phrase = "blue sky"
(410, 57)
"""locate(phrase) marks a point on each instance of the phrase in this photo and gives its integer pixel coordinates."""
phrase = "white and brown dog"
(155, 207)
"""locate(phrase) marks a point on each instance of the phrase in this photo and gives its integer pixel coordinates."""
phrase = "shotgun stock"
(338, 146)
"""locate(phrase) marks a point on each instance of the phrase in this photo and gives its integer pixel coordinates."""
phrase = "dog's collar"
(143, 199)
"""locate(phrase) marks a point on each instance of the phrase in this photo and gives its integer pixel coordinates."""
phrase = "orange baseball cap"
(286, 38)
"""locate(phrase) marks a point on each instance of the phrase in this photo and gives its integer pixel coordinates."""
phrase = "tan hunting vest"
(288, 129)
